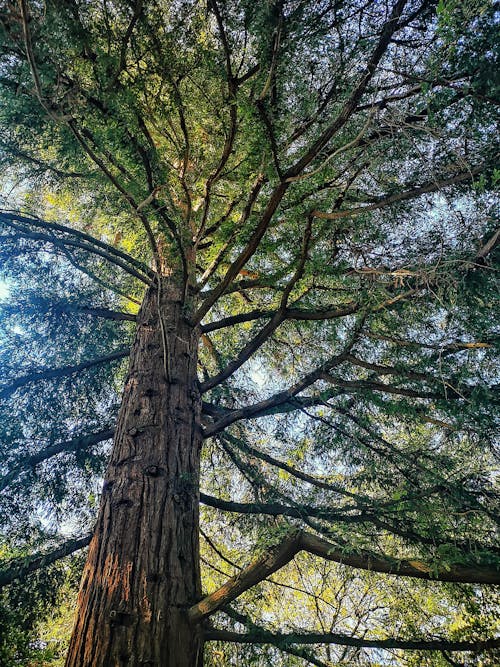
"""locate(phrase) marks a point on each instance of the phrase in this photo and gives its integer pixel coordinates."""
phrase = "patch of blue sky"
(4, 290)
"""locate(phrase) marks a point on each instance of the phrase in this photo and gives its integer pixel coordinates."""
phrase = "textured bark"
(142, 572)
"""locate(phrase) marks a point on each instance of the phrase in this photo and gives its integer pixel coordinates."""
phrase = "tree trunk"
(142, 571)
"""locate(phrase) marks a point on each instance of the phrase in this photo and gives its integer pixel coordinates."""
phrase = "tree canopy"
(316, 181)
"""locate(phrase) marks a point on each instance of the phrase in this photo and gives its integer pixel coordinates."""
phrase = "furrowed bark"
(142, 572)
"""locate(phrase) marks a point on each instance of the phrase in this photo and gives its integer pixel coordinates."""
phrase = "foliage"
(319, 177)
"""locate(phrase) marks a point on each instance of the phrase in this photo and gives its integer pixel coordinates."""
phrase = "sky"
(4, 290)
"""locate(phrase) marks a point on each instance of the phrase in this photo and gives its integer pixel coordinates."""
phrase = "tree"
(282, 214)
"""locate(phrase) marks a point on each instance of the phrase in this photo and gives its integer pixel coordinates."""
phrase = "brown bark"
(142, 572)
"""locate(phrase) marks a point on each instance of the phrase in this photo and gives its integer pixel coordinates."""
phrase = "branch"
(289, 314)
(278, 318)
(125, 42)
(105, 313)
(298, 540)
(350, 106)
(284, 639)
(259, 569)
(20, 567)
(299, 474)
(283, 397)
(488, 247)
(111, 253)
(245, 214)
(44, 166)
(247, 252)
(79, 136)
(340, 515)
(73, 445)
(63, 371)
(433, 186)
(300, 652)
(245, 354)
(364, 385)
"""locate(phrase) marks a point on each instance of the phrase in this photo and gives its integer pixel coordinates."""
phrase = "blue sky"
(4, 289)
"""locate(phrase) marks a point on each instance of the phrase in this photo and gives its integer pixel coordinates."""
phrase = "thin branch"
(20, 567)
(44, 166)
(74, 445)
(349, 107)
(488, 247)
(291, 650)
(6, 217)
(28, 45)
(340, 515)
(50, 373)
(310, 479)
(247, 252)
(289, 314)
(245, 214)
(250, 348)
(433, 186)
(282, 397)
(114, 181)
(125, 42)
(278, 318)
(63, 242)
(104, 313)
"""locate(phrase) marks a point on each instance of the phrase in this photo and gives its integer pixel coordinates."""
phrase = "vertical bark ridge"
(142, 571)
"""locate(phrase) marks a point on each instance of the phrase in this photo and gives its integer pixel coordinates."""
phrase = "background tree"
(283, 213)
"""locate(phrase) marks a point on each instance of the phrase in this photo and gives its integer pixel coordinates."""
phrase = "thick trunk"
(142, 572)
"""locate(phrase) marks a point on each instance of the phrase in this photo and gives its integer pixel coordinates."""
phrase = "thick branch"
(277, 557)
(287, 396)
(245, 354)
(284, 639)
(259, 569)
(289, 314)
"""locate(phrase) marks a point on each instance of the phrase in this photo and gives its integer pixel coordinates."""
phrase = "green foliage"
(168, 131)
(28, 609)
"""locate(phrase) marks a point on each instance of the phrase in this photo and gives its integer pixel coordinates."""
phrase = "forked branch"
(277, 557)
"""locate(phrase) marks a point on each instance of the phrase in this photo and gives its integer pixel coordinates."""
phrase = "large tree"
(282, 214)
